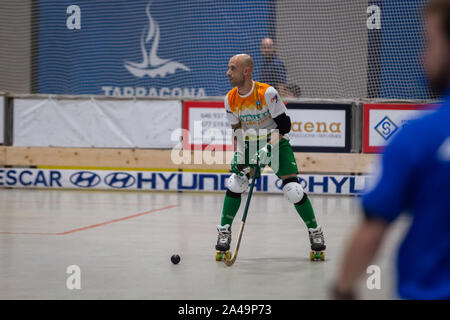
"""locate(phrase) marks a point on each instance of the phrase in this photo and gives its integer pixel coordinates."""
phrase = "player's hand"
(238, 164)
(337, 294)
(262, 156)
(255, 175)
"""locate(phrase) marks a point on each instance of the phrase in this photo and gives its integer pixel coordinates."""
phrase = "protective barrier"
(172, 48)
(2, 119)
(318, 125)
(122, 129)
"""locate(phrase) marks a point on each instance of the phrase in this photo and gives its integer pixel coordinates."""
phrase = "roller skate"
(223, 242)
(317, 244)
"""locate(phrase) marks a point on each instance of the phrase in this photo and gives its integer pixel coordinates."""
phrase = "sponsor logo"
(120, 180)
(386, 128)
(316, 127)
(254, 117)
(274, 99)
(279, 184)
(176, 181)
(151, 64)
(153, 92)
(85, 179)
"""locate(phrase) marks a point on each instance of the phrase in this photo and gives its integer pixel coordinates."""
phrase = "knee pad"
(293, 191)
(237, 184)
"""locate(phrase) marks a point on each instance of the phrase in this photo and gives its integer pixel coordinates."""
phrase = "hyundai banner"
(86, 179)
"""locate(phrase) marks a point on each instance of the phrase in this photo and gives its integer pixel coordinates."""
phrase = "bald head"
(267, 47)
(240, 69)
(244, 60)
(267, 41)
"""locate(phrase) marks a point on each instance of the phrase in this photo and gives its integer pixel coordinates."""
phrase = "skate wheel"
(228, 255)
(317, 255)
(219, 256)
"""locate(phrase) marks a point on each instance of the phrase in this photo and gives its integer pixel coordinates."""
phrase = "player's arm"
(283, 125)
(277, 110)
(381, 205)
(361, 250)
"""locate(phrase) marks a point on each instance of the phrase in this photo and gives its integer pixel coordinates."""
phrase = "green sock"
(306, 212)
(230, 208)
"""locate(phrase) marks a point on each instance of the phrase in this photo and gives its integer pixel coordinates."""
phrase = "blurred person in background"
(415, 178)
(289, 90)
(273, 71)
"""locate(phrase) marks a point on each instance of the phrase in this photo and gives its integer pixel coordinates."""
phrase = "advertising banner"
(382, 121)
(86, 179)
(320, 127)
(206, 126)
(314, 127)
(167, 48)
(96, 123)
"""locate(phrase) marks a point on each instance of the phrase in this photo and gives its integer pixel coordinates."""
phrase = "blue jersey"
(415, 178)
(273, 72)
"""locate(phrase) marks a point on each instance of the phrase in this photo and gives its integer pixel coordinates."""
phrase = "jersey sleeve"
(274, 102)
(390, 193)
(232, 118)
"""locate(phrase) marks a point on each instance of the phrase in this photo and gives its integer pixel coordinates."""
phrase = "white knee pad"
(293, 191)
(237, 183)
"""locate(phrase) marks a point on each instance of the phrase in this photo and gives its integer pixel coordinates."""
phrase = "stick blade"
(230, 262)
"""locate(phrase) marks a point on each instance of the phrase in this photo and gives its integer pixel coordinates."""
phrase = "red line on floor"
(94, 225)
(30, 233)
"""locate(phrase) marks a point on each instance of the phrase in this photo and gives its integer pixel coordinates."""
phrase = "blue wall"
(201, 35)
(401, 73)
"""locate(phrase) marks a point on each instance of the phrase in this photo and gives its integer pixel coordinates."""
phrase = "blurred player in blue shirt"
(414, 178)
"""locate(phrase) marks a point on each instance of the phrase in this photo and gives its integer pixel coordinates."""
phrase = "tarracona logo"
(151, 64)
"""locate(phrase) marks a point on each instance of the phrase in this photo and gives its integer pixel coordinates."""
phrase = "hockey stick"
(244, 217)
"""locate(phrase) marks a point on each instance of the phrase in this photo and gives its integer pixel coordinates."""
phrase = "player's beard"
(439, 82)
(237, 82)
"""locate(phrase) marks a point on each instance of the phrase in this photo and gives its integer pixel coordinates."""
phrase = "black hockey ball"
(175, 259)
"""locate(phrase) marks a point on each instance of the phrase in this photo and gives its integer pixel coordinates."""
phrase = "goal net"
(173, 48)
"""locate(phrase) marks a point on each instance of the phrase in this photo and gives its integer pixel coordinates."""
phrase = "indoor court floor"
(123, 241)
